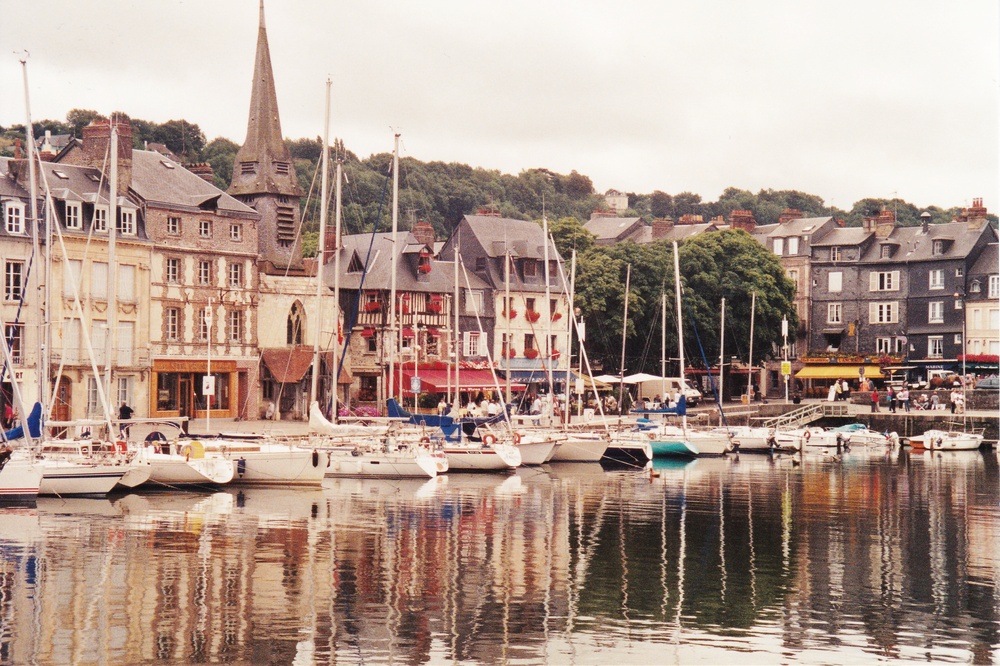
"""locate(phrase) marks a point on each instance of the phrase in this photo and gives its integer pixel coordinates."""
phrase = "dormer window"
(937, 246)
(886, 251)
(975, 287)
(74, 219)
(529, 267)
(126, 221)
(834, 254)
(101, 219)
(354, 266)
(14, 217)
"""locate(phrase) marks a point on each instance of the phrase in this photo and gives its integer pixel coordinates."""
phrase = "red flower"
(510, 353)
(531, 353)
(556, 316)
(510, 314)
(532, 315)
(425, 268)
(372, 306)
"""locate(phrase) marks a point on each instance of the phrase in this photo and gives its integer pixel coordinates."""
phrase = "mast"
(570, 319)
(321, 254)
(41, 312)
(722, 355)
(393, 308)
(458, 336)
(337, 314)
(548, 322)
(506, 299)
(753, 311)
(680, 327)
(663, 344)
(621, 381)
(109, 341)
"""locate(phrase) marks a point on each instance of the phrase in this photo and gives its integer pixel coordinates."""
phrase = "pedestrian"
(904, 397)
(8, 416)
(874, 401)
(838, 390)
(847, 390)
(124, 414)
(953, 399)
(890, 397)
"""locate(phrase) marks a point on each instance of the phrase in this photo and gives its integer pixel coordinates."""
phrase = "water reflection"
(812, 558)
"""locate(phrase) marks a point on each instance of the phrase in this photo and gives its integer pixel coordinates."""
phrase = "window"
(935, 312)
(529, 304)
(883, 281)
(92, 397)
(793, 275)
(204, 272)
(793, 245)
(125, 343)
(994, 288)
(71, 277)
(236, 275)
(530, 267)
(71, 341)
(100, 219)
(480, 264)
(126, 283)
(834, 254)
(883, 313)
(473, 301)
(373, 344)
(529, 341)
(74, 219)
(958, 304)
(960, 272)
(294, 325)
(99, 280)
(779, 246)
(937, 246)
(835, 282)
(124, 391)
(174, 226)
(472, 343)
(173, 270)
(98, 339)
(14, 217)
(236, 232)
(883, 345)
(935, 346)
(202, 325)
(936, 279)
(885, 251)
(205, 228)
(553, 268)
(13, 281)
(834, 313)
(994, 319)
(958, 339)
(235, 332)
(126, 221)
(171, 323)
(14, 336)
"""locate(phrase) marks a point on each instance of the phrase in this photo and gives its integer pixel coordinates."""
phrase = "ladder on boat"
(806, 415)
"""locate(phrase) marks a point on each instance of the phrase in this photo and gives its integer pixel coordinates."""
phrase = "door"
(184, 397)
(63, 409)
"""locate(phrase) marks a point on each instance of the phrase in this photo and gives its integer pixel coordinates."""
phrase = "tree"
(568, 234)
(221, 154)
(80, 118)
(661, 204)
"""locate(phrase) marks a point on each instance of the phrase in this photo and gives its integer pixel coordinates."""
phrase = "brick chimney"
(885, 223)
(203, 170)
(662, 226)
(689, 218)
(790, 214)
(423, 232)
(602, 212)
(975, 215)
(742, 219)
(97, 140)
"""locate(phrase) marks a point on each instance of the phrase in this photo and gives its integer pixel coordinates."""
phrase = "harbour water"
(857, 558)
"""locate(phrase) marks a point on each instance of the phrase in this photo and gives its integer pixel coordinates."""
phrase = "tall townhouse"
(394, 344)
(193, 289)
(982, 313)
(528, 332)
(19, 309)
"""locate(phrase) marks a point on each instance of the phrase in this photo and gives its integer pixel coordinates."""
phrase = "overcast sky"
(846, 99)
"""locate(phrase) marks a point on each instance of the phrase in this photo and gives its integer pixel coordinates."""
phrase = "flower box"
(434, 307)
(532, 315)
(510, 353)
(424, 268)
(372, 306)
(555, 355)
(556, 316)
(510, 314)
(530, 353)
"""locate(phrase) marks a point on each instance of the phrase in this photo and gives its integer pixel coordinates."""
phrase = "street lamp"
(960, 297)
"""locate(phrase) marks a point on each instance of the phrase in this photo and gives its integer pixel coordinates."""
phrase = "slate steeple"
(263, 174)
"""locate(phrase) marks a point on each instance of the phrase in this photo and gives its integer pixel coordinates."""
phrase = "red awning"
(368, 333)
(436, 381)
(408, 333)
(288, 366)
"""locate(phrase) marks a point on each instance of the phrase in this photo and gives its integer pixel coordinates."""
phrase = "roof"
(441, 278)
(843, 236)
(159, 180)
(288, 365)
(498, 235)
(613, 228)
(986, 263)
(917, 245)
(802, 226)
(8, 186)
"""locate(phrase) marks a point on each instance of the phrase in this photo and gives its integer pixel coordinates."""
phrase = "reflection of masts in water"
(753, 552)
(722, 540)
(681, 554)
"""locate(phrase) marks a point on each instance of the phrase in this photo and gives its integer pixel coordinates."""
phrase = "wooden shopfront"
(178, 389)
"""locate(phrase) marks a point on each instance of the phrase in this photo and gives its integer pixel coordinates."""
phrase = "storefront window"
(166, 392)
(221, 398)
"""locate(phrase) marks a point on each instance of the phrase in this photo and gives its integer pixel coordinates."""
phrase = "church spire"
(263, 175)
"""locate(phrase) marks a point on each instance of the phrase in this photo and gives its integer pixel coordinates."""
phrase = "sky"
(845, 100)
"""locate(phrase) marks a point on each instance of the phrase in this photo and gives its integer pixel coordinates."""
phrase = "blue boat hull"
(673, 448)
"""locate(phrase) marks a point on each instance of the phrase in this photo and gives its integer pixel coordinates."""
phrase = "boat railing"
(805, 415)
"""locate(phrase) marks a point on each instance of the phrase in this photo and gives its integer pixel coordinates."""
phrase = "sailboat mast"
(506, 300)
(321, 254)
(40, 312)
(753, 311)
(722, 354)
(570, 320)
(112, 275)
(547, 347)
(337, 314)
(663, 343)
(621, 382)
(393, 309)
(680, 326)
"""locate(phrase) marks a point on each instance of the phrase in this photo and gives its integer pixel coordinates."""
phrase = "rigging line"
(361, 285)
(708, 368)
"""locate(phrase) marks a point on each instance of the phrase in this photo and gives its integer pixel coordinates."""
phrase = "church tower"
(263, 174)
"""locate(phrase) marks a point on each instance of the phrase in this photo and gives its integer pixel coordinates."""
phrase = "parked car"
(990, 383)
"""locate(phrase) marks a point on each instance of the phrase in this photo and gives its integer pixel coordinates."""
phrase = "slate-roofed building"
(526, 331)
(982, 312)
(608, 229)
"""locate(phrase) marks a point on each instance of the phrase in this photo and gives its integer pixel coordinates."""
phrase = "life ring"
(807, 436)
(121, 447)
(425, 440)
(489, 439)
(186, 452)
(517, 438)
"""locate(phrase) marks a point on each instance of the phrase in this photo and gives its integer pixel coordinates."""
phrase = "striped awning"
(837, 371)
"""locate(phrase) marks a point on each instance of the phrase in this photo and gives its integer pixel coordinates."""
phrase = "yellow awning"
(837, 371)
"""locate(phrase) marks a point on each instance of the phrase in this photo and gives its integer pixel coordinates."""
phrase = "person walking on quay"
(874, 401)
(838, 391)
(904, 398)
(124, 414)
(890, 397)
(846, 388)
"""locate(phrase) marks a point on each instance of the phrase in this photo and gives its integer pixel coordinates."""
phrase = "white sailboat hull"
(173, 469)
(580, 447)
(495, 458)
(941, 440)
(535, 453)
(270, 464)
(64, 478)
(19, 481)
(348, 461)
